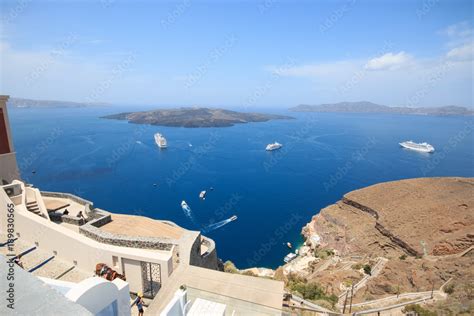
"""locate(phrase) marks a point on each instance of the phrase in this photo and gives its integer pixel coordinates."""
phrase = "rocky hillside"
(429, 216)
(393, 238)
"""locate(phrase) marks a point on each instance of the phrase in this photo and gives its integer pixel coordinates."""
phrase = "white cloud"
(464, 52)
(459, 30)
(437, 80)
(460, 41)
(389, 61)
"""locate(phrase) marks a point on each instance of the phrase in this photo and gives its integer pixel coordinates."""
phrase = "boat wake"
(188, 212)
(218, 225)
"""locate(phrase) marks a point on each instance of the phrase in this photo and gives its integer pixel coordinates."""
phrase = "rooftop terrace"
(131, 225)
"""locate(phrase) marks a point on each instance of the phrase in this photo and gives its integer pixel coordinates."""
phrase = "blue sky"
(239, 53)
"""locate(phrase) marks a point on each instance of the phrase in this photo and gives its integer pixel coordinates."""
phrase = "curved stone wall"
(93, 231)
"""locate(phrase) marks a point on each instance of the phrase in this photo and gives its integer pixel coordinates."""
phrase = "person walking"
(139, 302)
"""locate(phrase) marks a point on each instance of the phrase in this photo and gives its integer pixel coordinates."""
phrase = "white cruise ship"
(273, 146)
(422, 147)
(160, 140)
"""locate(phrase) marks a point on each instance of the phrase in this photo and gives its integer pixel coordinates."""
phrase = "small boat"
(290, 257)
(273, 146)
(184, 204)
(289, 245)
(202, 195)
(233, 218)
(211, 188)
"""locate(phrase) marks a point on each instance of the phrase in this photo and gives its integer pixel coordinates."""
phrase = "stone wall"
(87, 204)
(209, 259)
(93, 231)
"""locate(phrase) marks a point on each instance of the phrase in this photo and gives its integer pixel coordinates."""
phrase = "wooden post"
(352, 294)
(345, 302)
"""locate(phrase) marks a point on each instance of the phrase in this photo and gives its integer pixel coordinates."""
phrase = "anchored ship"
(422, 147)
(160, 140)
(202, 195)
(273, 146)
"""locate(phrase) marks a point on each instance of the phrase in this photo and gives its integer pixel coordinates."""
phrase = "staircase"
(33, 207)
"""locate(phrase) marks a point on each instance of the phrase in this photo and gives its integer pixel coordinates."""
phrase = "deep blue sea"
(118, 166)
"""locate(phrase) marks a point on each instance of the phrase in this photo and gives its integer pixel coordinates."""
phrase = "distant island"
(194, 117)
(32, 103)
(369, 107)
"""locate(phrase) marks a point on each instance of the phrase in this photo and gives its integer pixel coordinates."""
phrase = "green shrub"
(323, 253)
(229, 266)
(418, 310)
(403, 257)
(449, 289)
(357, 266)
(367, 269)
(309, 290)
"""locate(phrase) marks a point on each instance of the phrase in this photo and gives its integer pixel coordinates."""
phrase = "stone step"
(19, 248)
(53, 269)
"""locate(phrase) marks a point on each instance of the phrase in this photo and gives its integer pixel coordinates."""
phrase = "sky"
(262, 53)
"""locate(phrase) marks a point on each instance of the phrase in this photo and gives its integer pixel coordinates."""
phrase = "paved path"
(313, 306)
(378, 267)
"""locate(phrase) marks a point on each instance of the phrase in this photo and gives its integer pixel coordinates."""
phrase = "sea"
(117, 165)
